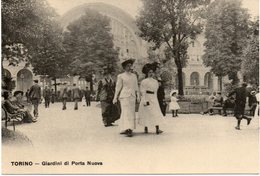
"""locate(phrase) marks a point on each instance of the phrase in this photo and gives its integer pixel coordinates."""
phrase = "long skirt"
(127, 118)
(151, 115)
(110, 112)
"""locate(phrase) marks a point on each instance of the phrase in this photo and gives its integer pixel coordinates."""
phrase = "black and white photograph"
(130, 87)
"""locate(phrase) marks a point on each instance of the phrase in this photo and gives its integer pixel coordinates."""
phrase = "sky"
(132, 6)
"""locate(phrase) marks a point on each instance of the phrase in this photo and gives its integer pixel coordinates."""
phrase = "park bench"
(247, 109)
(8, 117)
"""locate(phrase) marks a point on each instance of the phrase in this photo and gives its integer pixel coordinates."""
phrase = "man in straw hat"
(127, 92)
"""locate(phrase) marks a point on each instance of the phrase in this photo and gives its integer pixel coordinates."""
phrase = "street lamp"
(22, 77)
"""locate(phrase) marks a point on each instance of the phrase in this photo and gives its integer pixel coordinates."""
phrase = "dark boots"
(158, 131)
(129, 133)
(174, 113)
(145, 130)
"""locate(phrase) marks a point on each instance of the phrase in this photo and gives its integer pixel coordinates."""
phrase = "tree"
(89, 45)
(226, 33)
(23, 21)
(171, 23)
(250, 57)
(50, 60)
(24, 25)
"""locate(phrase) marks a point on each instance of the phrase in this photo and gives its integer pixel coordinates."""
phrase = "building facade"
(129, 45)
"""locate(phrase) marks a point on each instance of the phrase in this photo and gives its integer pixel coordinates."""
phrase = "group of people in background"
(236, 100)
(118, 99)
(20, 109)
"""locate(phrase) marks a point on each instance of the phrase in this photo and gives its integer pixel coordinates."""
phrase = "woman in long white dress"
(150, 114)
(127, 92)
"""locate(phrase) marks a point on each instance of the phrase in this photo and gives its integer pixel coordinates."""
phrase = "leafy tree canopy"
(50, 56)
(23, 26)
(89, 44)
(226, 34)
(172, 23)
(250, 57)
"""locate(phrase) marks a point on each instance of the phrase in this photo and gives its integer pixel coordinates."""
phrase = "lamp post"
(22, 77)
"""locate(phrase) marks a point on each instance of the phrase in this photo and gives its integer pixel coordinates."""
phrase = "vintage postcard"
(130, 86)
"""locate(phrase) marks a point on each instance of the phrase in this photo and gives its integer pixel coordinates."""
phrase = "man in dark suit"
(88, 96)
(35, 96)
(47, 96)
(76, 96)
(240, 102)
(64, 96)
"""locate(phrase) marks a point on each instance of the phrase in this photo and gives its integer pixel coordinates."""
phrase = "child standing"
(174, 106)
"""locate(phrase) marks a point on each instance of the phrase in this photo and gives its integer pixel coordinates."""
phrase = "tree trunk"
(180, 81)
(91, 84)
(220, 83)
(55, 86)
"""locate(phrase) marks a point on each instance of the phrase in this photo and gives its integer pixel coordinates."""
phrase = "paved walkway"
(191, 143)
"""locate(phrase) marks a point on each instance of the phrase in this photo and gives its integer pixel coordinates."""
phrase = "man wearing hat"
(35, 97)
(88, 96)
(240, 102)
(47, 96)
(76, 96)
(127, 92)
(64, 96)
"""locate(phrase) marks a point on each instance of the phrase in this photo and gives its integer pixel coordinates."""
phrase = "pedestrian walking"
(127, 92)
(27, 96)
(35, 97)
(88, 96)
(105, 94)
(76, 96)
(47, 96)
(64, 96)
(52, 96)
(150, 114)
(252, 102)
(174, 106)
(240, 102)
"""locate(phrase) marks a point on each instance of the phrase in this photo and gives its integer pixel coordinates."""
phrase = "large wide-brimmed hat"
(127, 61)
(148, 67)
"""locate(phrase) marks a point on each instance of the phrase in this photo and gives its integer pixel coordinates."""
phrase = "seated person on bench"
(28, 118)
(10, 108)
(229, 103)
(217, 102)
